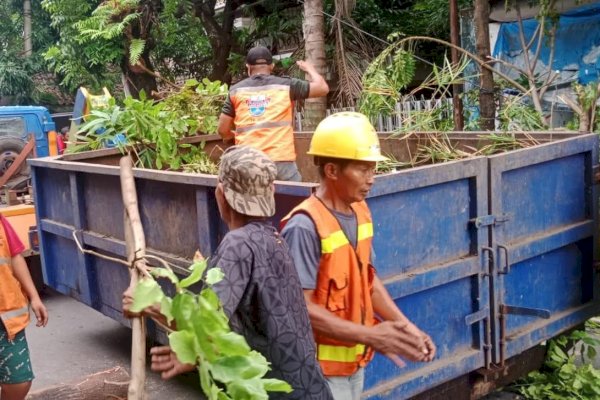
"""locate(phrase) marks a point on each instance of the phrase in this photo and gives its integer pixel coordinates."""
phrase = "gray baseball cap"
(247, 176)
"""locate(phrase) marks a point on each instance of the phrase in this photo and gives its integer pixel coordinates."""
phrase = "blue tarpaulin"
(577, 45)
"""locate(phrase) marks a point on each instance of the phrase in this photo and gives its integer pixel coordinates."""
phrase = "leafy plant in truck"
(152, 131)
(228, 367)
(201, 101)
(563, 375)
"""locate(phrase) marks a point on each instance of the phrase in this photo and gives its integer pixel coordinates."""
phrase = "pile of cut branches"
(153, 130)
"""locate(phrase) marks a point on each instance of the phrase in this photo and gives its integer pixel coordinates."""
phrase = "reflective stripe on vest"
(344, 283)
(338, 239)
(262, 125)
(264, 119)
(340, 353)
(5, 262)
(255, 88)
(14, 313)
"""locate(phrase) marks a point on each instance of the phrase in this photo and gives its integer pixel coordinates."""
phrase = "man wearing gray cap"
(260, 292)
(259, 111)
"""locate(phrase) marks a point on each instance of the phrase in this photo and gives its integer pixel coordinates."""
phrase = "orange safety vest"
(263, 118)
(344, 283)
(14, 305)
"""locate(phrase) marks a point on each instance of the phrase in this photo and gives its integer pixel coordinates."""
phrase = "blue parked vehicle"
(490, 255)
(17, 125)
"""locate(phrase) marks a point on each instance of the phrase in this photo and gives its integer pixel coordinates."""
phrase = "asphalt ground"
(80, 341)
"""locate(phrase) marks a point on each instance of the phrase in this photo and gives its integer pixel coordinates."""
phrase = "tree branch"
(472, 56)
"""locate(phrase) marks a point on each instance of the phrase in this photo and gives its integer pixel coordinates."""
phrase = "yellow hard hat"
(347, 135)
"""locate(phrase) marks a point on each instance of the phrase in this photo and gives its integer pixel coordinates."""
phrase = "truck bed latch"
(487, 220)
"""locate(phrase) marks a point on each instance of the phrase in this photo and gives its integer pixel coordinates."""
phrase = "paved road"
(80, 341)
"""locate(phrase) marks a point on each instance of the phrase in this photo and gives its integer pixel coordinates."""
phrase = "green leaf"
(166, 306)
(136, 48)
(275, 385)
(232, 344)
(205, 378)
(183, 343)
(184, 308)
(247, 389)
(236, 368)
(147, 292)
(165, 273)
(214, 275)
(197, 269)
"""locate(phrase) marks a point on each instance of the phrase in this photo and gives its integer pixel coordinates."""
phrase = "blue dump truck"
(491, 255)
(18, 124)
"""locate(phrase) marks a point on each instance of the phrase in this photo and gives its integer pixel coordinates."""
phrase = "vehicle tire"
(10, 148)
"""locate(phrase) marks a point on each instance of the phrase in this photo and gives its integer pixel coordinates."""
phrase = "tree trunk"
(457, 109)
(314, 37)
(138, 79)
(487, 107)
(220, 33)
(27, 28)
(220, 65)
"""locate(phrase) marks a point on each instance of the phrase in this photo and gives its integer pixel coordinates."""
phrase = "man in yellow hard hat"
(329, 236)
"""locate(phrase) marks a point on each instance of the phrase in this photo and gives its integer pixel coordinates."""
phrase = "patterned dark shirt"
(262, 295)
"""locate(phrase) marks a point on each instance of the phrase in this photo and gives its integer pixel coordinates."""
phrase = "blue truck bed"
(489, 255)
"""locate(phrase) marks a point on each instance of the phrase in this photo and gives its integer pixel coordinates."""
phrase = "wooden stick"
(136, 250)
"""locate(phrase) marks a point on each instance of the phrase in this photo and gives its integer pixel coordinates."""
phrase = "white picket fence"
(390, 123)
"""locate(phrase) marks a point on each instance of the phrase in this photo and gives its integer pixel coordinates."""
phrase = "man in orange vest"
(259, 111)
(329, 235)
(16, 291)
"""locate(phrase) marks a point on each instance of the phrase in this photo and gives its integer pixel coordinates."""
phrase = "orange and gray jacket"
(344, 283)
(263, 110)
(14, 306)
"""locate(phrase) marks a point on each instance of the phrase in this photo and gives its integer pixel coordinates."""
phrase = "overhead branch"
(472, 56)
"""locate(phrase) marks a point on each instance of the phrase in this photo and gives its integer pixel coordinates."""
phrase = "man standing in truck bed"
(259, 111)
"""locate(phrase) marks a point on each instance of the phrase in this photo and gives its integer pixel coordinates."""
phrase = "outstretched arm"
(318, 86)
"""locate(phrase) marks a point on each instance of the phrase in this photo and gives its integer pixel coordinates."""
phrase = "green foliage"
(415, 18)
(386, 76)
(201, 101)
(517, 116)
(76, 60)
(204, 338)
(15, 80)
(109, 20)
(155, 129)
(562, 377)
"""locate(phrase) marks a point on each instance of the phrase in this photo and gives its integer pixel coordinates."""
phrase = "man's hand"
(318, 87)
(430, 347)
(306, 66)
(40, 311)
(397, 339)
(152, 311)
(166, 362)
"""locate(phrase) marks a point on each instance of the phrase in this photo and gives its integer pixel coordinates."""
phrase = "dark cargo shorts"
(15, 366)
